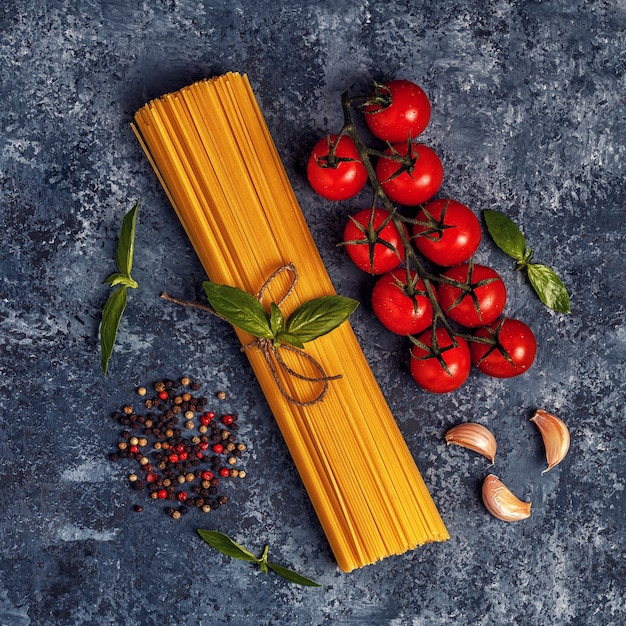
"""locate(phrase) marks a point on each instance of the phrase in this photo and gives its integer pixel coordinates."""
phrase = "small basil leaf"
(290, 338)
(111, 317)
(319, 316)
(126, 243)
(277, 320)
(505, 233)
(120, 279)
(226, 545)
(239, 308)
(291, 576)
(549, 287)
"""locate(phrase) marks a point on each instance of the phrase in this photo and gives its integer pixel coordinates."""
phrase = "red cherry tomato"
(449, 232)
(477, 299)
(401, 308)
(337, 176)
(513, 353)
(397, 111)
(373, 242)
(414, 182)
(427, 369)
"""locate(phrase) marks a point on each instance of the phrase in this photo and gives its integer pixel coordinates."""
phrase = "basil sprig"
(510, 239)
(224, 544)
(309, 321)
(120, 281)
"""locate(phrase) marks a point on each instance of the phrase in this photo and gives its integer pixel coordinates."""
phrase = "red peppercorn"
(203, 445)
(133, 449)
(151, 477)
(227, 420)
(180, 447)
(162, 494)
(173, 458)
(199, 455)
(218, 448)
(183, 456)
(205, 418)
(224, 472)
(182, 496)
(206, 475)
(163, 395)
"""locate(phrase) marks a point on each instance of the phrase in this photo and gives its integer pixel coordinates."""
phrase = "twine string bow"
(270, 352)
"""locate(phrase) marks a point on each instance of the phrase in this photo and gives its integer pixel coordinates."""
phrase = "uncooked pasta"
(213, 153)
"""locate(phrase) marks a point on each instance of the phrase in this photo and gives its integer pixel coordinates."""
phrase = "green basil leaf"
(291, 576)
(549, 287)
(224, 544)
(319, 316)
(227, 546)
(277, 320)
(111, 317)
(118, 278)
(505, 233)
(126, 243)
(239, 308)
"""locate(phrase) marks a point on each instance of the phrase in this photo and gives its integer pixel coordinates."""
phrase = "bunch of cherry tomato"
(452, 314)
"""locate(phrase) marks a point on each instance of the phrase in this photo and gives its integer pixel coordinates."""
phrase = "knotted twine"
(271, 352)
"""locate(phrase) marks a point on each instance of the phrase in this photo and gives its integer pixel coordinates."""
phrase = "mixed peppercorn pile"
(183, 450)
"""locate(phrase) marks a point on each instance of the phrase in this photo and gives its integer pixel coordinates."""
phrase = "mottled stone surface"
(529, 110)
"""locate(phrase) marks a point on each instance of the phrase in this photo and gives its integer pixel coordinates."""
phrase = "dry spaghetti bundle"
(216, 160)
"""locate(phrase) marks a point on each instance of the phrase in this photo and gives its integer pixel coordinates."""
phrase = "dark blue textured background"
(529, 110)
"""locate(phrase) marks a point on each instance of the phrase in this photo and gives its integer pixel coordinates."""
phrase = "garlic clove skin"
(501, 502)
(555, 435)
(475, 437)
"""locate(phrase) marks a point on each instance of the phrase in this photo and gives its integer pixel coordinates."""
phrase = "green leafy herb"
(510, 239)
(126, 243)
(120, 281)
(277, 320)
(224, 544)
(239, 308)
(309, 321)
(319, 316)
(549, 287)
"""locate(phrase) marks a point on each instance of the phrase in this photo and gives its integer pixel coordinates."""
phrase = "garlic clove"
(501, 502)
(475, 437)
(555, 435)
